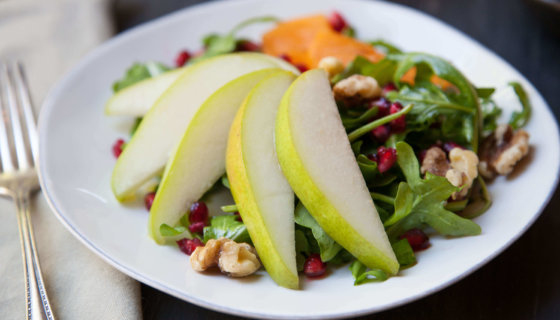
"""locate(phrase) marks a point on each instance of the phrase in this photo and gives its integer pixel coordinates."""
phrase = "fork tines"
(17, 123)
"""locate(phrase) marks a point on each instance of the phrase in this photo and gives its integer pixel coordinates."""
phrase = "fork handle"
(37, 306)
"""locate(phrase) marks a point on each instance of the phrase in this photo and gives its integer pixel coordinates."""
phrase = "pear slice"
(316, 158)
(162, 127)
(137, 99)
(199, 160)
(263, 196)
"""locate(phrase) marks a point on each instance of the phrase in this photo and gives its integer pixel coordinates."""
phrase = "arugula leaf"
(354, 135)
(229, 208)
(490, 114)
(485, 93)
(403, 204)
(371, 174)
(168, 231)
(227, 227)
(430, 197)
(405, 254)
(385, 47)
(362, 275)
(225, 181)
(382, 70)
(216, 44)
(138, 72)
(428, 65)
(328, 248)
(349, 32)
(342, 257)
(480, 200)
(520, 118)
(350, 123)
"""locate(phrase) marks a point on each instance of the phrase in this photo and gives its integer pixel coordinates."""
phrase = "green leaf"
(229, 208)
(356, 146)
(431, 195)
(342, 257)
(225, 181)
(168, 231)
(356, 134)
(302, 245)
(138, 72)
(520, 118)
(403, 204)
(227, 227)
(485, 93)
(405, 254)
(362, 275)
(349, 32)
(480, 201)
(382, 70)
(371, 174)
(385, 47)
(428, 65)
(490, 114)
(328, 248)
(350, 123)
(216, 44)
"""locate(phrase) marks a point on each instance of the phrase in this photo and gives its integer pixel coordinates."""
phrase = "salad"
(332, 150)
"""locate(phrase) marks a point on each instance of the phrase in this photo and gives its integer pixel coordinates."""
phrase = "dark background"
(521, 283)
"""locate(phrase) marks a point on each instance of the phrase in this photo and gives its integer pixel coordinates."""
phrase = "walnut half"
(234, 259)
(356, 88)
(502, 150)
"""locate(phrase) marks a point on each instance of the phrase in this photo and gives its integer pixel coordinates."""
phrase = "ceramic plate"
(76, 164)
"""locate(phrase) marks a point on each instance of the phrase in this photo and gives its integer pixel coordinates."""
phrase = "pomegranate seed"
(301, 67)
(248, 46)
(286, 58)
(237, 216)
(118, 147)
(197, 227)
(314, 267)
(422, 155)
(381, 133)
(386, 158)
(189, 245)
(199, 212)
(417, 239)
(383, 106)
(182, 58)
(450, 145)
(388, 88)
(373, 157)
(149, 200)
(399, 124)
(336, 21)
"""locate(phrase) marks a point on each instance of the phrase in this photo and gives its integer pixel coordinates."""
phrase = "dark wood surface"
(524, 281)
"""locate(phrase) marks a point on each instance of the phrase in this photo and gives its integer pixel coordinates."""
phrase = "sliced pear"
(137, 99)
(316, 158)
(199, 160)
(262, 193)
(162, 127)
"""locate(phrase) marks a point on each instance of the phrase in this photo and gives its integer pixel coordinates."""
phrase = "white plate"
(76, 164)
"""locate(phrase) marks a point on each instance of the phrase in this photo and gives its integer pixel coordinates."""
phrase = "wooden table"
(524, 281)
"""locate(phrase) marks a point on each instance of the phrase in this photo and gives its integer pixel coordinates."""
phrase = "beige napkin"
(49, 37)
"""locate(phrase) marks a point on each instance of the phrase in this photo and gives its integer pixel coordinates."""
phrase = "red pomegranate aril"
(422, 155)
(237, 216)
(450, 145)
(248, 46)
(383, 106)
(182, 58)
(386, 158)
(197, 227)
(388, 88)
(301, 67)
(198, 212)
(337, 22)
(381, 133)
(189, 245)
(149, 200)
(417, 239)
(314, 267)
(399, 124)
(118, 147)
(286, 58)
(372, 157)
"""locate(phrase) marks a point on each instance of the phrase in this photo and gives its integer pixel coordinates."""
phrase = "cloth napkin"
(49, 37)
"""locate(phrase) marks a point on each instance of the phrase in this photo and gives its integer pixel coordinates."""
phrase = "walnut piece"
(463, 171)
(502, 150)
(356, 88)
(234, 259)
(435, 162)
(332, 65)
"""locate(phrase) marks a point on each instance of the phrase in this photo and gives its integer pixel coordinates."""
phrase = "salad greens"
(520, 118)
(138, 72)
(226, 226)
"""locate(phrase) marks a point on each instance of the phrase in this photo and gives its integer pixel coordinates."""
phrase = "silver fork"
(18, 177)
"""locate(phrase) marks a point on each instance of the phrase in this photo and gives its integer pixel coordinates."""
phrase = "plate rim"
(47, 105)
